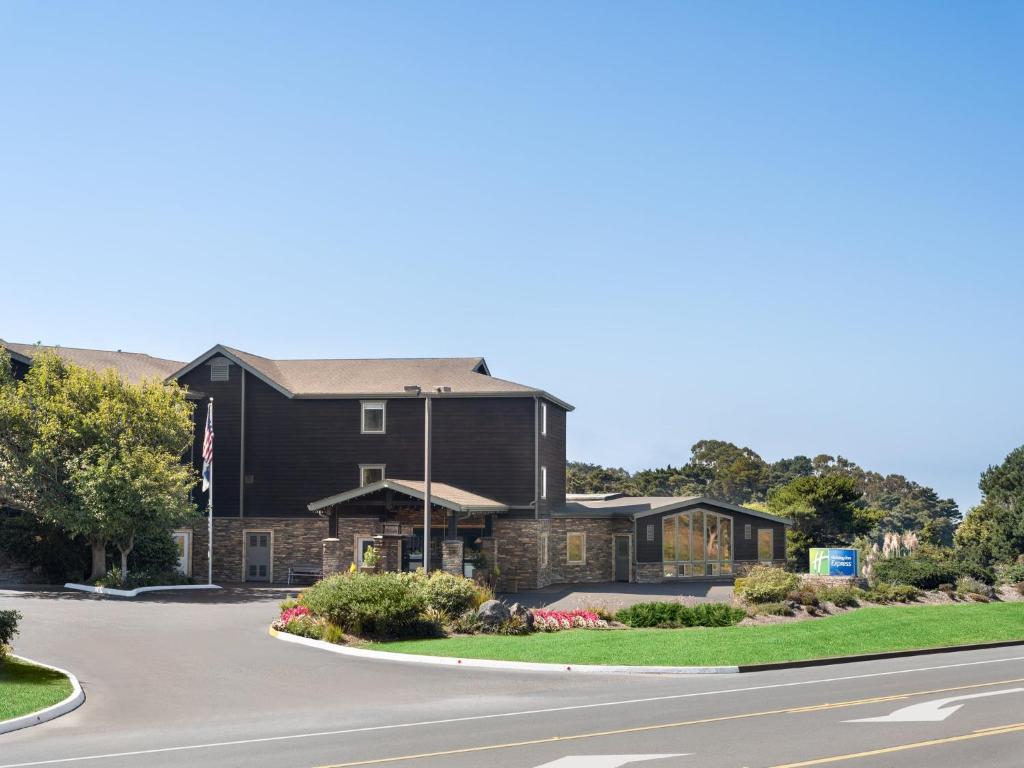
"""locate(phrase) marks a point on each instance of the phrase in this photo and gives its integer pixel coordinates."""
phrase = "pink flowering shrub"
(294, 613)
(552, 621)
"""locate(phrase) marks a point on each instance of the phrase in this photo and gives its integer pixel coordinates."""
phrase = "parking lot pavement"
(195, 680)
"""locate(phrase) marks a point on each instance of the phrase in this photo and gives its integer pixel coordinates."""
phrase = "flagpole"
(209, 520)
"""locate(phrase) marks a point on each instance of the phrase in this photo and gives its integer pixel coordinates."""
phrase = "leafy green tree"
(993, 531)
(96, 456)
(825, 512)
(735, 474)
(593, 478)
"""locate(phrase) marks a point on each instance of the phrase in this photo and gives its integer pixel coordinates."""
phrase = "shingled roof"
(134, 367)
(388, 377)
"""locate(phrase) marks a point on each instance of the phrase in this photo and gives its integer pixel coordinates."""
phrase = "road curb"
(520, 666)
(527, 666)
(110, 591)
(73, 701)
(830, 660)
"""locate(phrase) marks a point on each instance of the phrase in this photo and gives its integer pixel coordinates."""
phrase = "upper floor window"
(543, 482)
(544, 418)
(373, 422)
(370, 473)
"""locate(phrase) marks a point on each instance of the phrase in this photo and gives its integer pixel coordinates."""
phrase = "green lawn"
(867, 630)
(26, 688)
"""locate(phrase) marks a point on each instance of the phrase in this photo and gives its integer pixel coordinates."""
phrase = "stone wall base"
(294, 541)
(834, 581)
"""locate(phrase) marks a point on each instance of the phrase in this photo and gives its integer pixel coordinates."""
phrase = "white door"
(183, 541)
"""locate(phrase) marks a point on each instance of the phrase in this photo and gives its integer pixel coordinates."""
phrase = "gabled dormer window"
(372, 418)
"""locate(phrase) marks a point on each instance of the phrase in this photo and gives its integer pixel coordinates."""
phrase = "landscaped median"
(31, 693)
(865, 631)
(776, 618)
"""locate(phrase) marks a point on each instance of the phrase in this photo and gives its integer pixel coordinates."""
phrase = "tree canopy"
(738, 474)
(993, 531)
(94, 455)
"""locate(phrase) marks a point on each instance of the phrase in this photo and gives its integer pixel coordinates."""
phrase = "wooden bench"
(314, 572)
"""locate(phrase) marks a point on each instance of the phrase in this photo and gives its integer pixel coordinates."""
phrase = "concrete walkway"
(615, 595)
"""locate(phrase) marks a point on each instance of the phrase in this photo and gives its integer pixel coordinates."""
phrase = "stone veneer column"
(451, 556)
(390, 553)
(331, 556)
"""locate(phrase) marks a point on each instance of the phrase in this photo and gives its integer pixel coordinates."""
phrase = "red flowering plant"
(553, 621)
(299, 620)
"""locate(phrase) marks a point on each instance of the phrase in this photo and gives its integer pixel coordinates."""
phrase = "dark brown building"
(317, 460)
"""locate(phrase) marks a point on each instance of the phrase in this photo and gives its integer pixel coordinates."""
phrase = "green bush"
(25, 539)
(1010, 573)
(672, 615)
(153, 553)
(117, 580)
(917, 571)
(450, 594)
(968, 585)
(378, 605)
(804, 596)
(765, 584)
(841, 597)
(773, 609)
(884, 592)
(8, 629)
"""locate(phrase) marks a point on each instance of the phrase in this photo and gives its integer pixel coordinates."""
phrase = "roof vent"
(220, 369)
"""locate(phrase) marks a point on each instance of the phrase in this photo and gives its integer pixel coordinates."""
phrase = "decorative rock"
(523, 613)
(493, 612)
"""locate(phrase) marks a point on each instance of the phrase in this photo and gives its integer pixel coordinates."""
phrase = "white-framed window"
(362, 543)
(372, 417)
(544, 419)
(696, 543)
(544, 550)
(576, 547)
(543, 482)
(370, 473)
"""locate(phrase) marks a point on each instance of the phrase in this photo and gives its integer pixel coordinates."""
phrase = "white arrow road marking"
(931, 711)
(602, 761)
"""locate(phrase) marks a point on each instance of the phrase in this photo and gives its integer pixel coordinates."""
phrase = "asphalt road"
(196, 681)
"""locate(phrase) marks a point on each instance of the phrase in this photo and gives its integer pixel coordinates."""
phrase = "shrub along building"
(317, 460)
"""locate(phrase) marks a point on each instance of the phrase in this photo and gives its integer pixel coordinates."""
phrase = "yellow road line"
(980, 734)
(662, 726)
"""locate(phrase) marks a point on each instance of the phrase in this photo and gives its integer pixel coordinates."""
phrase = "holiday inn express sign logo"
(833, 562)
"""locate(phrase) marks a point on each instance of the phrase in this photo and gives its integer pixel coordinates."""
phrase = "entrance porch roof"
(441, 494)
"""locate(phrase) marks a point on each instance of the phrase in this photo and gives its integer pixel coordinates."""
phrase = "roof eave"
(220, 349)
(381, 485)
(707, 500)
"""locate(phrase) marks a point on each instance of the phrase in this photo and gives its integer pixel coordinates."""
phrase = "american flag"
(208, 449)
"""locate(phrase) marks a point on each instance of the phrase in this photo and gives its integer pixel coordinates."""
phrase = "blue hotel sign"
(833, 562)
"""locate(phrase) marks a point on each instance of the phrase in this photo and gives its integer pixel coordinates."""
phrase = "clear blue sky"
(797, 227)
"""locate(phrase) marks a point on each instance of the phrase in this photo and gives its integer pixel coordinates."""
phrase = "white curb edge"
(519, 666)
(76, 697)
(134, 592)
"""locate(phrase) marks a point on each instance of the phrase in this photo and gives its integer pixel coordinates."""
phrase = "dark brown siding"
(649, 550)
(19, 368)
(301, 450)
(227, 434)
(552, 456)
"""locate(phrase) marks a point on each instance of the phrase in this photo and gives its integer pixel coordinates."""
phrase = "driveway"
(614, 595)
(195, 680)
